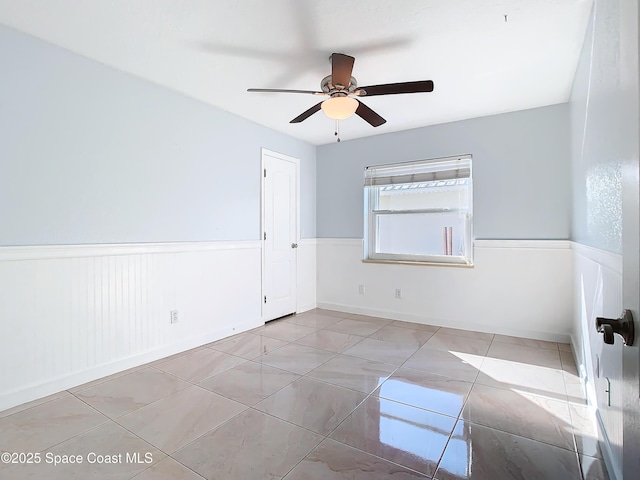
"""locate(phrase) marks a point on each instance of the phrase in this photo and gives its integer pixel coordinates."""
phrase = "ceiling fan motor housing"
(327, 86)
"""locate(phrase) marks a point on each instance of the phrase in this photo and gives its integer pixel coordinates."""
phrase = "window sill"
(413, 262)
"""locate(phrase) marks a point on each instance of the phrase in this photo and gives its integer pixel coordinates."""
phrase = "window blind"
(421, 171)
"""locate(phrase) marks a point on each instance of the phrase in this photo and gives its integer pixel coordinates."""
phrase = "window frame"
(371, 214)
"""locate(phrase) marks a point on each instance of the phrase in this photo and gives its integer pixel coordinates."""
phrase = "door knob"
(294, 245)
(623, 326)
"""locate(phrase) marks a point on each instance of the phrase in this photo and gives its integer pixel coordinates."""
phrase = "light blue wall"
(521, 172)
(601, 139)
(89, 154)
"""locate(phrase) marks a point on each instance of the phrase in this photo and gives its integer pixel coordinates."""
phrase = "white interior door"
(280, 234)
(630, 116)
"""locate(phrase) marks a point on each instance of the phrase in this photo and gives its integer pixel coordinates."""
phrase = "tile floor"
(321, 395)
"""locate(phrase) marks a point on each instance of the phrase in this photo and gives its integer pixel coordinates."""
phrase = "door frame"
(281, 156)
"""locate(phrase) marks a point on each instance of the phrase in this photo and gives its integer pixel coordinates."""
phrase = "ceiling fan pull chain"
(337, 132)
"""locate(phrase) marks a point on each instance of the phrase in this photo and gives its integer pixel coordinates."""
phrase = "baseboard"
(34, 392)
(462, 325)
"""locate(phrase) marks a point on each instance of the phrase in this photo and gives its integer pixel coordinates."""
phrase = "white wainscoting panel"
(516, 287)
(597, 277)
(306, 274)
(76, 313)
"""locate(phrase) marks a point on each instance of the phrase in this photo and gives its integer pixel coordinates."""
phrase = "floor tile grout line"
(287, 421)
(176, 356)
(437, 467)
(168, 456)
(261, 412)
(95, 427)
(265, 398)
(496, 340)
(333, 384)
(575, 436)
(455, 417)
(145, 441)
(331, 331)
(368, 395)
(193, 440)
(518, 435)
(240, 365)
(510, 387)
(191, 384)
(206, 433)
(298, 373)
(369, 453)
(105, 379)
(460, 417)
(504, 431)
(376, 361)
(199, 381)
(67, 393)
(303, 459)
(359, 450)
(108, 421)
(257, 356)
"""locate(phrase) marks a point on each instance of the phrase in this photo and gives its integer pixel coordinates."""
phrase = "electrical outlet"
(361, 289)
(398, 293)
(174, 316)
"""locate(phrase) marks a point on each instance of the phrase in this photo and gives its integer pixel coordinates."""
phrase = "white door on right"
(630, 149)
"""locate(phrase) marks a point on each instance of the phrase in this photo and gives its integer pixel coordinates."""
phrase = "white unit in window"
(420, 211)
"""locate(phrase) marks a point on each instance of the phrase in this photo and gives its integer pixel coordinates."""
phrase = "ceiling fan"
(341, 88)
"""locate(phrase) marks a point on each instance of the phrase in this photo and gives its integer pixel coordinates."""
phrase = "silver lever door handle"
(294, 245)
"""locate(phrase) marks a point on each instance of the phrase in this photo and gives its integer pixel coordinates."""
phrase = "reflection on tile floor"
(323, 395)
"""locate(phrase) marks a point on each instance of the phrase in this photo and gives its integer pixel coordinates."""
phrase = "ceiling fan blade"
(341, 68)
(306, 114)
(395, 88)
(369, 115)
(277, 90)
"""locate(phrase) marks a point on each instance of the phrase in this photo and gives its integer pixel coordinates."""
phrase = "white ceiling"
(213, 50)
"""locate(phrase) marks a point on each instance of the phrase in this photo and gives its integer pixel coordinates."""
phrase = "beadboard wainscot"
(515, 287)
(72, 314)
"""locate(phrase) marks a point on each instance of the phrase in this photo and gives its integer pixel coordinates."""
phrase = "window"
(419, 211)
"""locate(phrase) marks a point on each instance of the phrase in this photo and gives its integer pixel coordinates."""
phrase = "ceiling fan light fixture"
(339, 107)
